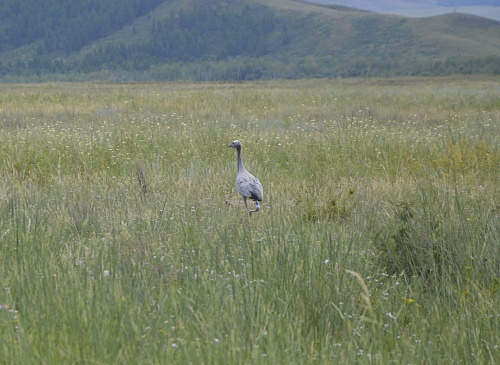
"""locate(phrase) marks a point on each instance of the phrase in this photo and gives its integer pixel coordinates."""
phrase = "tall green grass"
(378, 239)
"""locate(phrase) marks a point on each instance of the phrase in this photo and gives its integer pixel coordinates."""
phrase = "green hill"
(235, 39)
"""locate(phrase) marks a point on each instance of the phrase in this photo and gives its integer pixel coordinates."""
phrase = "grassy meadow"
(378, 240)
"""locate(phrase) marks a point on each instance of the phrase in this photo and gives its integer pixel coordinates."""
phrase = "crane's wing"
(249, 186)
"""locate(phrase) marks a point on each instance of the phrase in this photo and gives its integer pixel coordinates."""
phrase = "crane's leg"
(245, 201)
(257, 208)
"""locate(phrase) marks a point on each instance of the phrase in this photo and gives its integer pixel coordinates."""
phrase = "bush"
(434, 239)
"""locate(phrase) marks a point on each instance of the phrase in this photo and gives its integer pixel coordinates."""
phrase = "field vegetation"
(377, 241)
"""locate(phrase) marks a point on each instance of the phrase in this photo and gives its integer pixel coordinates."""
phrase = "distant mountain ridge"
(235, 40)
(423, 8)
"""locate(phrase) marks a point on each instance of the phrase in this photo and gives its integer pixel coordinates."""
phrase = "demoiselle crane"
(246, 184)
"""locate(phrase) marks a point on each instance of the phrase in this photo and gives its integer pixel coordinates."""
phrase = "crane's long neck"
(240, 163)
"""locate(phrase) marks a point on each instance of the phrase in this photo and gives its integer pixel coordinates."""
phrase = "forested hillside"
(203, 32)
(237, 39)
(63, 25)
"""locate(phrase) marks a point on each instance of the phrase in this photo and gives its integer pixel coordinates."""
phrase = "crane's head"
(236, 144)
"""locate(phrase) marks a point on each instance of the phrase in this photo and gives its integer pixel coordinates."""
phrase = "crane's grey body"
(246, 184)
